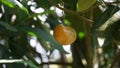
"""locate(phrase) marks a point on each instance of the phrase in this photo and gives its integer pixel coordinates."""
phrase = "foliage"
(97, 27)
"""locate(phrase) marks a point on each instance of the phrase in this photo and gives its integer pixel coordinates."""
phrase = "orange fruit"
(64, 35)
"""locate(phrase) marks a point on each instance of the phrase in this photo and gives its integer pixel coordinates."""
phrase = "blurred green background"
(26, 29)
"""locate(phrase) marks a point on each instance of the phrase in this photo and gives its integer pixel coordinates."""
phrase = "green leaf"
(44, 35)
(9, 3)
(30, 64)
(13, 3)
(8, 27)
(21, 6)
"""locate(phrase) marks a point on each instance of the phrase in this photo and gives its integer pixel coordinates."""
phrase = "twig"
(11, 61)
(70, 12)
(57, 63)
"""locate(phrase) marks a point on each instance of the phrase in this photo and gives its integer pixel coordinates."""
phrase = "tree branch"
(57, 63)
(70, 11)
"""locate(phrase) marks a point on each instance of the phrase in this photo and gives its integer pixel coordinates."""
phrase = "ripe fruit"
(64, 34)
